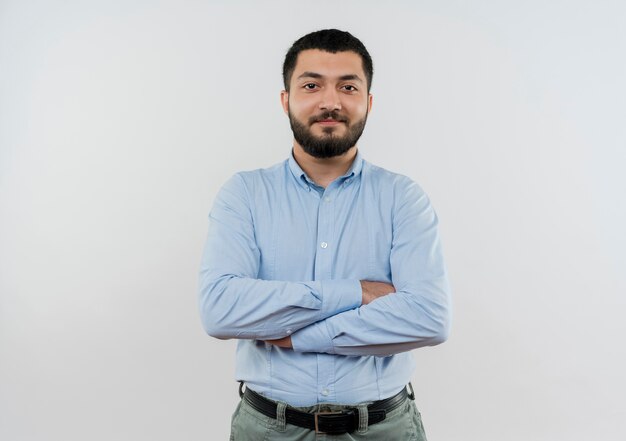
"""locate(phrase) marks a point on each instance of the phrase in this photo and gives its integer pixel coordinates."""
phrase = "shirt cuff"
(313, 338)
(339, 296)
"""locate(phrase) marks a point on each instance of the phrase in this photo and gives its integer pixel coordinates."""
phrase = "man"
(327, 268)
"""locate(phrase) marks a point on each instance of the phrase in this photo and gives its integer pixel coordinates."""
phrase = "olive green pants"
(401, 424)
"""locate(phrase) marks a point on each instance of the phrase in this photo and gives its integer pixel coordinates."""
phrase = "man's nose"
(330, 99)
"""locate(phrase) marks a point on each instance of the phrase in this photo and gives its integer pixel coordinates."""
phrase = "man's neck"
(323, 171)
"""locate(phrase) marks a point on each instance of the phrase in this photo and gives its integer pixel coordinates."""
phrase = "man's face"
(327, 102)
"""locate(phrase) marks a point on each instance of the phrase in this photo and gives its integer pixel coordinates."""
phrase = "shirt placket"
(323, 271)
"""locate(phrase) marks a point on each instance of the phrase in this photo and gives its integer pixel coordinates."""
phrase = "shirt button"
(327, 199)
(288, 331)
(325, 392)
(324, 245)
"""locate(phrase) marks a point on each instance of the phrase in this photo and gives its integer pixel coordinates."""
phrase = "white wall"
(119, 120)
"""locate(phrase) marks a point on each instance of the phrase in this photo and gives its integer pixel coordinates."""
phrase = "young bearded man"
(327, 268)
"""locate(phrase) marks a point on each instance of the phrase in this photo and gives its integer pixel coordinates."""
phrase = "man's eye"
(349, 88)
(310, 86)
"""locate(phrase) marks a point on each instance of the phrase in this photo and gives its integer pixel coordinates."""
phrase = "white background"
(119, 121)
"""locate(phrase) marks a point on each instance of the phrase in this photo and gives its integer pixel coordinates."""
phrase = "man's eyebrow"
(348, 77)
(351, 77)
(309, 75)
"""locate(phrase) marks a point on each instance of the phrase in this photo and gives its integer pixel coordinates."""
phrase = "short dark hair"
(328, 40)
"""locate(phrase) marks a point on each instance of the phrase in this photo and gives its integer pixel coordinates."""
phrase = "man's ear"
(370, 99)
(284, 101)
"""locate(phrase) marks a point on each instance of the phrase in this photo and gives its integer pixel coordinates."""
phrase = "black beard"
(330, 145)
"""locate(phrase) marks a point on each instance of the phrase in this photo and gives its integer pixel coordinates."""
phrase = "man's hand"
(284, 342)
(374, 290)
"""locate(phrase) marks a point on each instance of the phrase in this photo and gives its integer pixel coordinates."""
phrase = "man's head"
(327, 77)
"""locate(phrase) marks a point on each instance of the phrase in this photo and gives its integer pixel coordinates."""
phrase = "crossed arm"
(348, 317)
(371, 291)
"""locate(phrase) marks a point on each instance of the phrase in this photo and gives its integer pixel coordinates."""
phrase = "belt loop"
(241, 389)
(411, 393)
(363, 418)
(281, 421)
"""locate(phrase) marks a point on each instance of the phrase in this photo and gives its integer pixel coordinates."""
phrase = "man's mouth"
(328, 119)
(329, 122)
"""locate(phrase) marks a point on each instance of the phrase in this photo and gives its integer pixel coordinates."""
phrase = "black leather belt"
(333, 423)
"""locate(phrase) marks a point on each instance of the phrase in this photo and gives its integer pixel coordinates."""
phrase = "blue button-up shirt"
(284, 257)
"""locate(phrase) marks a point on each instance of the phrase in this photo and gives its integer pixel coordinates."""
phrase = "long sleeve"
(234, 303)
(417, 315)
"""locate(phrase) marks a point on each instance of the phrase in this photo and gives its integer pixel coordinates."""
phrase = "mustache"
(334, 115)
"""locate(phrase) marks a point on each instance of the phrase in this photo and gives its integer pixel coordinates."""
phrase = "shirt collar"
(298, 173)
(356, 168)
(305, 182)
